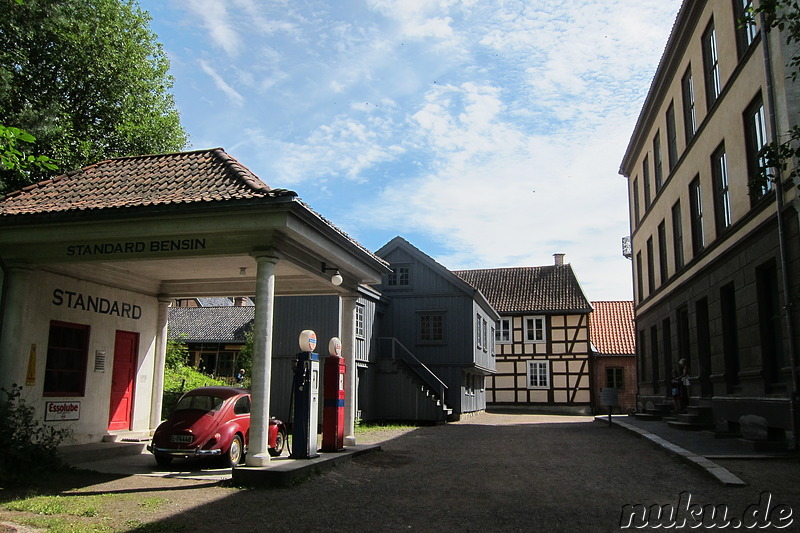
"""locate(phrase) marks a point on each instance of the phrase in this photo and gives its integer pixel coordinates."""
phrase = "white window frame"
(359, 319)
(493, 350)
(537, 334)
(498, 337)
(539, 369)
(484, 327)
(478, 331)
(400, 276)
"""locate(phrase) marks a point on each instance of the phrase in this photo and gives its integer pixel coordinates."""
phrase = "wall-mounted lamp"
(336, 279)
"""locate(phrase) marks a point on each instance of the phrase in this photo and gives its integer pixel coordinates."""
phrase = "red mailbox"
(333, 412)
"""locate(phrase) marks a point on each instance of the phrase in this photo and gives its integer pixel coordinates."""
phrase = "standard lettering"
(96, 304)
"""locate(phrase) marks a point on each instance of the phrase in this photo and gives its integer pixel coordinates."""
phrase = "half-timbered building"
(541, 337)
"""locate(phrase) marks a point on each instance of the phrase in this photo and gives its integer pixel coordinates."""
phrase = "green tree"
(12, 156)
(88, 79)
(177, 354)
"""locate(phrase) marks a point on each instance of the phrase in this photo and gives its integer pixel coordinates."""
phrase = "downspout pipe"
(787, 315)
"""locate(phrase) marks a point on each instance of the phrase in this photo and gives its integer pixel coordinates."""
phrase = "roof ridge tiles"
(197, 176)
(243, 173)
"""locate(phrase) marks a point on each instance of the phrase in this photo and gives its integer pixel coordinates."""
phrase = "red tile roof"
(522, 290)
(180, 178)
(611, 328)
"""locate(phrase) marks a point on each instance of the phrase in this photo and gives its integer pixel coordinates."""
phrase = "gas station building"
(91, 259)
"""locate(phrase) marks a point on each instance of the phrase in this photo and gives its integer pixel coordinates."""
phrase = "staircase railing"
(426, 374)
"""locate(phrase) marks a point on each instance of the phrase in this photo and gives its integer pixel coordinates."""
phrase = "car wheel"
(280, 442)
(163, 460)
(235, 452)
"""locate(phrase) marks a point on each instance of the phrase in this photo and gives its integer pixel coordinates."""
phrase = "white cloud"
(342, 149)
(215, 19)
(491, 129)
(221, 84)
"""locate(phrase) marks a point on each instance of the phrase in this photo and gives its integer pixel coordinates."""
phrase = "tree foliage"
(14, 157)
(177, 354)
(88, 79)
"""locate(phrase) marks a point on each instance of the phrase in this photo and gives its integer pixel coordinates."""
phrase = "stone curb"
(285, 472)
(723, 475)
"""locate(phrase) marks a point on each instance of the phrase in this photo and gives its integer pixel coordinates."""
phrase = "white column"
(15, 341)
(349, 354)
(158, 363)
(258, 447)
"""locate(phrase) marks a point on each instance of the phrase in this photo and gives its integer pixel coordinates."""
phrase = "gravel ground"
(489, 472)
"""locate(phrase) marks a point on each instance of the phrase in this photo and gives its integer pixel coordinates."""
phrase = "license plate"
(181, 439)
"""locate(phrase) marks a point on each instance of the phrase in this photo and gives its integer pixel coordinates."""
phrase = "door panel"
(126, 345)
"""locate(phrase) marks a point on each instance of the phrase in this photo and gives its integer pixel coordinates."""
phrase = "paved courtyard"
(489, 472)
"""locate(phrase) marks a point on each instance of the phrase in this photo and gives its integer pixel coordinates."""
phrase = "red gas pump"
(333, 413)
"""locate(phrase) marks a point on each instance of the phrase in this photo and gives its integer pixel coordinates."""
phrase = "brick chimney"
(559, 259)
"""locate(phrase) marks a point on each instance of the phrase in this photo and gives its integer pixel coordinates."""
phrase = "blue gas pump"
(306, 398)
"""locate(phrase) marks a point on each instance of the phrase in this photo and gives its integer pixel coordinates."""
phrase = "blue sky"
(488, 133)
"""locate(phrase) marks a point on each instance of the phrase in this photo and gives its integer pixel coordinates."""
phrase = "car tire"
(235, 451)
(280, 442)
(163, 460)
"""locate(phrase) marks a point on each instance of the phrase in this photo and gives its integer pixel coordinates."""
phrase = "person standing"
(683, 372)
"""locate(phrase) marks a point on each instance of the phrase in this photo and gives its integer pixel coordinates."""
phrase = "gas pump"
(333, 410)
(306, 398)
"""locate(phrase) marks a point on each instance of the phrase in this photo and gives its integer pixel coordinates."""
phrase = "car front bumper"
(176, 452)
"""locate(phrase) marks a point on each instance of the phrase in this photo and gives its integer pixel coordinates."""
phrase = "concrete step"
(688, 426)
(646, 416)
(766, 445)
(98, 451)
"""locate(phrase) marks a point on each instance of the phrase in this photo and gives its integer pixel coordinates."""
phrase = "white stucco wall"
(37, 297)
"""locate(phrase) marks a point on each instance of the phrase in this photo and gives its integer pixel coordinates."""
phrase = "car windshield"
(200, 402)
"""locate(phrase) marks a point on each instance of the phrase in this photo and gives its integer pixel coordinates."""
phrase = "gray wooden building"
(424, 341)
(437, 329)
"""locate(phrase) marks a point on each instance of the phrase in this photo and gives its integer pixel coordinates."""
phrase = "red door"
(126, 345)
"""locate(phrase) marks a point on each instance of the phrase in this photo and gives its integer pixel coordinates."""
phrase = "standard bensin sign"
(62, 411)
(135, 247)
(96, 304)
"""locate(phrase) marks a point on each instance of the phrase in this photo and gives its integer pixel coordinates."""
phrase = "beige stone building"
(712, 272)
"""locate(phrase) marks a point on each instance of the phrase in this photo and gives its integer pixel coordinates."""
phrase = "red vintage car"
(211, 422)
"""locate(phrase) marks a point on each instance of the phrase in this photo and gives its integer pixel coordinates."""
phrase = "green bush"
(177, 354)
(29, 447)
(179, 380)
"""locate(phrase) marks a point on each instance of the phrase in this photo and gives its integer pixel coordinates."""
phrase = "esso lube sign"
(308, 341)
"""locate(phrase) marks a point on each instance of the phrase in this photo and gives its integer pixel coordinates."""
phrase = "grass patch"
(86, 506)
(366, 428)
(57, 524)
(153, 527)
(152, 503)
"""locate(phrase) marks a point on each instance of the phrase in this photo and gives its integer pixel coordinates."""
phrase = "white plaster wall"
(29, 324)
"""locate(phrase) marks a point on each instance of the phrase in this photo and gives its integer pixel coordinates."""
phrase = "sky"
(488, 133)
